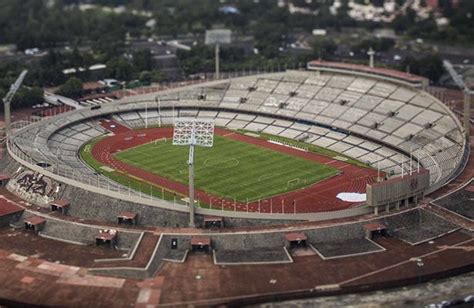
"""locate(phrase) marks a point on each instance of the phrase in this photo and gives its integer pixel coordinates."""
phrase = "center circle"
(221, 163)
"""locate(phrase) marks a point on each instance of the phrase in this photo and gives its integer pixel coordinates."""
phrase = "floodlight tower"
(9, 97)
(158, 101)
(193, 132)
(217, 37)
(467, 111)
(459, 81)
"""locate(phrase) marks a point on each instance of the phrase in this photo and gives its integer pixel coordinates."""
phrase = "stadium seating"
(369, 119)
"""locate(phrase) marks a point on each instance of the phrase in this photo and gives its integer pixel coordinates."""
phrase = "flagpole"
(378, 171)
(146, 115)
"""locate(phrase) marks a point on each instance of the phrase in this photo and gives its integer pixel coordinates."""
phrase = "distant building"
(93, 87)
(229, 10)
(434, 4)
(385, 33)
(320, 32)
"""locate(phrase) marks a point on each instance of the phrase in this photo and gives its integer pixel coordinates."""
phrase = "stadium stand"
(378, 121)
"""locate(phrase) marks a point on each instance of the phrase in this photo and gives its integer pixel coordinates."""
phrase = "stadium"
(354, 177)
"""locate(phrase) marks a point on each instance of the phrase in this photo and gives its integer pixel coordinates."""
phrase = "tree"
(71, 88)
(119, 68)
(429, 66)
(142, 60)
(382, 44)
(151, 76)
(27, 97)
(323, 48)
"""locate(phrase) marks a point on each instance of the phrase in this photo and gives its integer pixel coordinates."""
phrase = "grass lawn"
(230, 169)
(124, 179)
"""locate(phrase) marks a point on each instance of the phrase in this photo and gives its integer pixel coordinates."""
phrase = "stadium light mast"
(9, 97)
(193, 132)
(467, 111)
(217, 37)
(459, 81)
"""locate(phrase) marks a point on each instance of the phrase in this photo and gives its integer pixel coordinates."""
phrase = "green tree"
(382, 44)
(71, 88)
(323, 48)
(27, 97)
(142, 60)
(429, 66)
(121, 69)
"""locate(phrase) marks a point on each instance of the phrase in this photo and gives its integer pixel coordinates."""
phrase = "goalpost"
(161, 139)
(293, 182)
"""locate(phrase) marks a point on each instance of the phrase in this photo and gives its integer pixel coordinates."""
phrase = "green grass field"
(229, 169)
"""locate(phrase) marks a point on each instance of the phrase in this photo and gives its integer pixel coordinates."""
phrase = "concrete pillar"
(371, 54)
(415, 200)
(397, 206)
(467, 112)
(425, 84)
(387, 208)
(376, 210)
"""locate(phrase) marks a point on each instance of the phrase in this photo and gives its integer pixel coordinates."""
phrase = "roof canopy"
(374, 227)
(201, 241)
(35, 220)
(296, 237)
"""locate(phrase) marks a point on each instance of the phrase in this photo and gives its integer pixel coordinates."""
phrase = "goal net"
(159, 140)
(293, 182)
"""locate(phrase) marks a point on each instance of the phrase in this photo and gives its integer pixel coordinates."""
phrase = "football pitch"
(230, 169)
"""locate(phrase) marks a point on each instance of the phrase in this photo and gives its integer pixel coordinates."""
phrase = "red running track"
(318, 197)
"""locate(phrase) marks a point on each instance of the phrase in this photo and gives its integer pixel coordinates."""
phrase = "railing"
(455, 172)
(101, 186)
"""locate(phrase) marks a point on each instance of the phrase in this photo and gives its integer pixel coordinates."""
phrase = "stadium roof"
(201, 241)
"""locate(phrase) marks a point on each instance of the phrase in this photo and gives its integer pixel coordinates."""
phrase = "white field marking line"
(206, 164)
(264, 177)
(270, 193)
(146, 152)
(143, 144)
(276, 193)
(303, 173)
(228, 134)
(403, 262)
(240, 158)
(345, 166)
(181, 171)
(168, 176)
